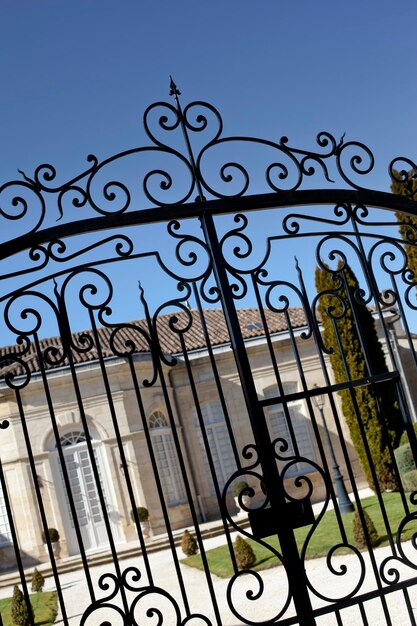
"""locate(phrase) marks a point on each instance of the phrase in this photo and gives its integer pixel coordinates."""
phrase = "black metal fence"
(217, 370)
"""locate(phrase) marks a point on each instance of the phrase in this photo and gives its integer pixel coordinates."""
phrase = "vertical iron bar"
(380, 415)
(409, 607)
(196, 526)
(363, 614)
(295, 570)
(216, 376)
(207, 448)
(274, 364)
(330, 485)
(100, 493)
(157, 350)
(309, 316)
(335, 414)
(352, 392)
(61, 457)
(65, 328)
(15, 544)
(39, 499)
(224, 409)
(403, 317)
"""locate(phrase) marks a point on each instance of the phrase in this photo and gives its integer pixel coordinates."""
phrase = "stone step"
(153, 544)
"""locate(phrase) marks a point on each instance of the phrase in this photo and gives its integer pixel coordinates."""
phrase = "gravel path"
(334, 584)
(260, 610)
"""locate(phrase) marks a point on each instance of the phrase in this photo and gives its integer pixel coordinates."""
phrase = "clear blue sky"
(78, 74)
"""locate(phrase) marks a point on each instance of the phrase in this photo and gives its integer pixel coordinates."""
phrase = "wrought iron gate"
(236, 375)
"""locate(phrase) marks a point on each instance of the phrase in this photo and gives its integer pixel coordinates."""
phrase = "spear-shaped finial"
(301, 279)
(173, 89)
(56, 289)
(141, 291)
(300, 275)
(143, 300)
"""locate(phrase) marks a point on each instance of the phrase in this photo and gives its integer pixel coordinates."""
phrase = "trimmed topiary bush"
(359, 533)
(143, 514)
(53, 535)
(188, 544)
(245, 556)
(38, 581)
(19, 609)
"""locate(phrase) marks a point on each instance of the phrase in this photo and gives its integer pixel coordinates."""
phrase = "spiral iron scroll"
(33, 200)
(145, 607)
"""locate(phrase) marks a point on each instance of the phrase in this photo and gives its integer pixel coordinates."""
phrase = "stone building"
(115, 410)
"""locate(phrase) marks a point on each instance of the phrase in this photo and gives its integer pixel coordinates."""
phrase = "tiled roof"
(129, 335)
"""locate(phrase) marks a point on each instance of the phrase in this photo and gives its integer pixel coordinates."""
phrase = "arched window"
(279, 427)
(166, 459)
(221, 450)
(73, 437)
(81, 476)
(83, 464)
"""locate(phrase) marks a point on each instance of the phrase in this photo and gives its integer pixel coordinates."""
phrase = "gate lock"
(295, 514)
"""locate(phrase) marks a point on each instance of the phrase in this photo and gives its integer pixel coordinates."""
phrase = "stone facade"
(110, 397)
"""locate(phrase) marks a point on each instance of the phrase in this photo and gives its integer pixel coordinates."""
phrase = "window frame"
(160, 430)
(290, 387)
(214, 423)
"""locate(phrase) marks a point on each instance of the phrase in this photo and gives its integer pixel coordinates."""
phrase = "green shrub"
(359, 533)
(143, 514)
(405, 459)
(188, 544)
(38, 581)
(410, 480)
(238, 487)
(404, 437)
(245, 556)
(53, 535)
(19, 610)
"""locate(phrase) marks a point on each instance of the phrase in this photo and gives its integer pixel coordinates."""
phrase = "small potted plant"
(53, 535)
(240, 498)
(143, 515)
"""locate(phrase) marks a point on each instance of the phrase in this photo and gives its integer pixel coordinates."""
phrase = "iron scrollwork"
(191, 183)
(149, 603)
(97, 190)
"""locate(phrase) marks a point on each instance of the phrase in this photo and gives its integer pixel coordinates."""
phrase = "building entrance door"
(84, 492)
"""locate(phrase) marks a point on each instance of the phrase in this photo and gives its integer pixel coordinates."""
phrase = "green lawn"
(45, 606)
(325, 536)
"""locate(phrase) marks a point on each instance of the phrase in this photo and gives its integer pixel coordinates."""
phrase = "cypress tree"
(38, 581)
(378, 411)
(188, 544)
(19, 609)
(359, 533)
(245, 556)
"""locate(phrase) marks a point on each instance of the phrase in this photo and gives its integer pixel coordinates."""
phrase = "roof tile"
(172, 328)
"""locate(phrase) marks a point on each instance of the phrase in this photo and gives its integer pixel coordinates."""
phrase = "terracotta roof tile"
(116, 341)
